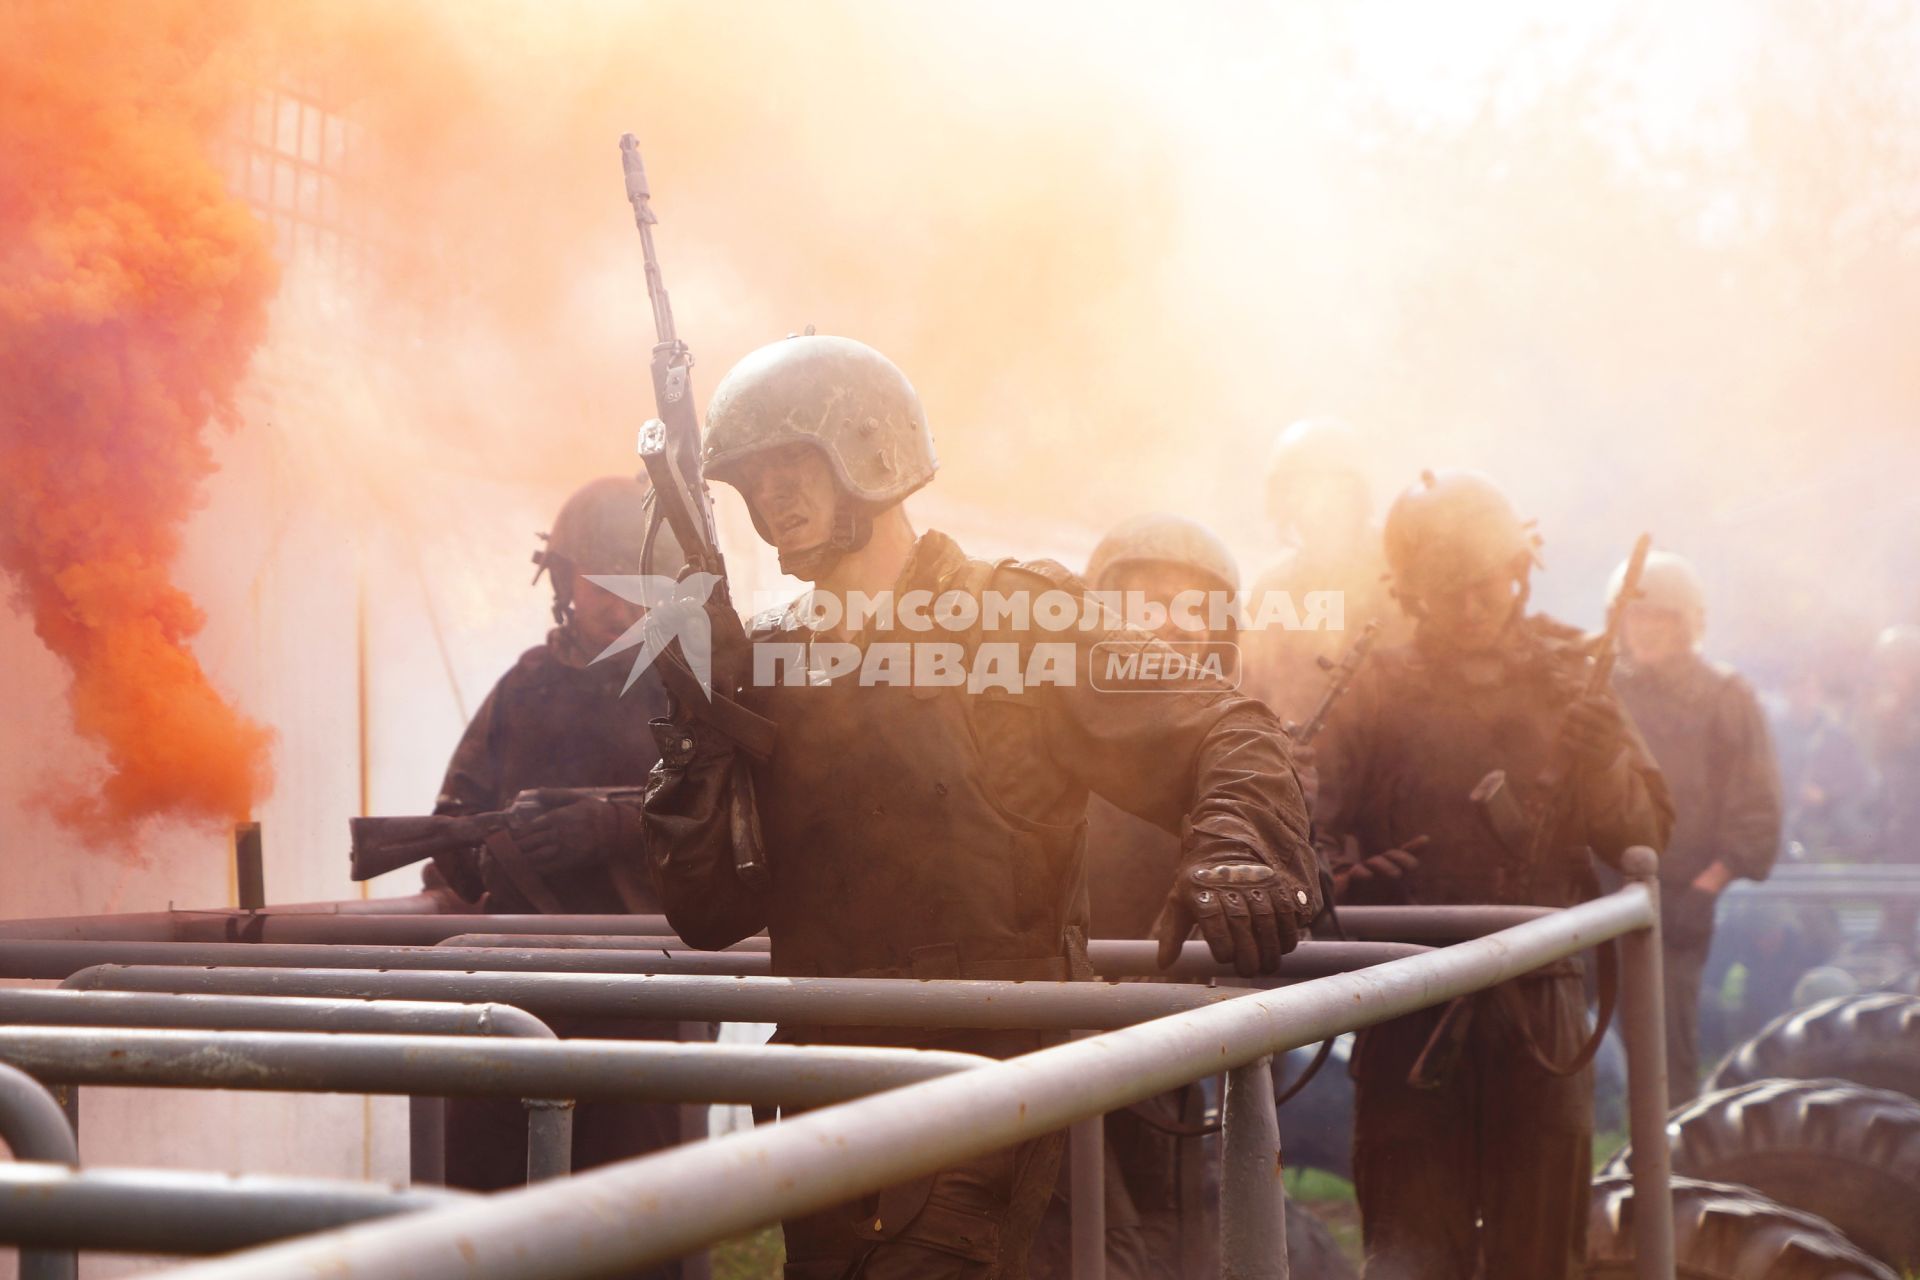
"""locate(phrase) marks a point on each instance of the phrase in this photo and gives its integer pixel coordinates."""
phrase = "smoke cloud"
(133, 289)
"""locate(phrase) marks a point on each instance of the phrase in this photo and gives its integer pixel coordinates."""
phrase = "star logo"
(676, 609)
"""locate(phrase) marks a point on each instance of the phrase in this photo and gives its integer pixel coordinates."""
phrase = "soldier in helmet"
(1160, 1219)
(928, 828)
(557, 719)
(1893, 738)
(1707, 732)
(1321, 506)
(1479, 1163)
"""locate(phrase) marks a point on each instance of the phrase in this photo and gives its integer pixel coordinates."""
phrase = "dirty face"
(1157, 582)
(1654, 635)
(793, 491)
(599, 616)
(1471, 618)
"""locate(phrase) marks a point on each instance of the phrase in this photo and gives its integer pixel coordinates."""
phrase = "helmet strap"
(852, 529)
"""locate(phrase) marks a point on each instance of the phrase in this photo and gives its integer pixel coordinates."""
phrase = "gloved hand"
(1593, 733)
(1234, 904)
(1376, 880)
(569, 831)
(710, 633)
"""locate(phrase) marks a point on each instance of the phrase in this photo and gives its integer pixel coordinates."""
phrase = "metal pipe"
(426, 1141)
(600, 1070)
(35, 1127)
(1087, 1198)
(410, 922)
(32, 1123)
(549, 1138)
(757, 944)
(1643, 1026)
(1822, 889)
(659, 1207)
(74, 1007)
(249, 867)
(50, 1206)
(1253, 1199)
(426, 1117)
(865, 1002)
(313, 922)
(1113, 959)
(1432, 924)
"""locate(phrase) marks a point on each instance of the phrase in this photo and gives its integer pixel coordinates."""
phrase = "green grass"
(1606, 1144)
(1329, 1198)
(755, 1257)
(1312, 1186)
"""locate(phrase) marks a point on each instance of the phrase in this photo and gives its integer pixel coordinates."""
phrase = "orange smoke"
(133, 291)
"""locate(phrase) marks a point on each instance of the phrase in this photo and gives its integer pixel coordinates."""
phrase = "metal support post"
(427, 1141)
(1087, 1201)
(1643, 1025)
(549, 1138)
(249, 867)
(1253, 1201)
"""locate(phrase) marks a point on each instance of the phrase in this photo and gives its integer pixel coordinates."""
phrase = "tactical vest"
(919, 831)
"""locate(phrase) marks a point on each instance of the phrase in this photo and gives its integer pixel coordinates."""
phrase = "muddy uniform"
(1708, 735)
(555, 721)
(1493, 1164)
(932, 833)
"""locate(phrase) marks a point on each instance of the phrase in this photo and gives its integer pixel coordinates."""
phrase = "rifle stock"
(381, 845)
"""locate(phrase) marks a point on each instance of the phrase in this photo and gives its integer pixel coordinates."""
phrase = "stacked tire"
(1872, 1040)
(1724, 1232)
(1830, 1148)
(1802, 1162)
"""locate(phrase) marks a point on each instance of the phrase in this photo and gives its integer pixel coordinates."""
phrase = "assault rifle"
(1339, 678)
(670, 450)
(381, 845)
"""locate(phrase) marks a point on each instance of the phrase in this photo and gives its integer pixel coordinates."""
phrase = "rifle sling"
(1442, 1050)
(750, 731)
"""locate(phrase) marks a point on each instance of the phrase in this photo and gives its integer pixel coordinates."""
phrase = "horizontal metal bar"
(166, 1211)
(659, 1207)
(1823, 889)
(1111, 957)
(1432, 924)
(862, 1002)
(323, 923)
(1115, 959)
(403, 922)
(1841, 870)
(66, 1007)
(614, 1070)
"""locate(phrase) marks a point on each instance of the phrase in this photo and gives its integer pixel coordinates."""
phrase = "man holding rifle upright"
(1486, 762)
(928, 826)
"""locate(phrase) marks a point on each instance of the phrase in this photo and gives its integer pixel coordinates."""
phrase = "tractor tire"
(1831, 1148)
(1723, 1232)
(1871, 1040)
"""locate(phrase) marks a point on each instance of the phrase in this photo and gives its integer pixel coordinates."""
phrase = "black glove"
(1376, 880)
(715, 630)
(1233, 903)
(1594, 733)
(568, 833)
